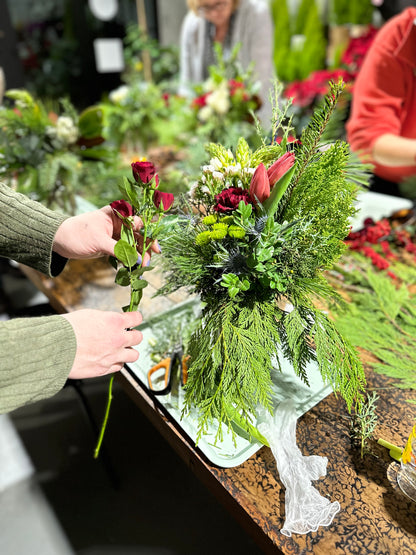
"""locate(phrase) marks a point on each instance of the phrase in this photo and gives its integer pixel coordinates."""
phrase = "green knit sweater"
(36, 354)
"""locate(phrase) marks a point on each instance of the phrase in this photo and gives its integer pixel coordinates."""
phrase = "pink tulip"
(259, 185)
(165, 198)
(280, 167)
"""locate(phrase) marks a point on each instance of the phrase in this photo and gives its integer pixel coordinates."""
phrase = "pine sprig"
(311, 138)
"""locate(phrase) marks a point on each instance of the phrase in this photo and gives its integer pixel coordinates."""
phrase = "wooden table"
(375, 516)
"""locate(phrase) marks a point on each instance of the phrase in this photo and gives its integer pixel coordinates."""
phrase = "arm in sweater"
(36, 354)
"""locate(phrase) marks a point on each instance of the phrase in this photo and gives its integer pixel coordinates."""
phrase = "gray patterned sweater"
(36, 354)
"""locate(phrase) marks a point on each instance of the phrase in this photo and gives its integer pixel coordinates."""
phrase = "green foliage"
(382, 318)
(50, 151)
(164, 59)
(364, 422)
(296, 57)
(231, 362)
(356, 12)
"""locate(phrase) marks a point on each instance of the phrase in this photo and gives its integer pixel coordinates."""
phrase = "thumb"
(107, 246)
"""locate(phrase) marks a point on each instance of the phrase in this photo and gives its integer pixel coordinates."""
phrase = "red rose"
(143, 172)
(165, 198)
(122, 208)
(229, 199)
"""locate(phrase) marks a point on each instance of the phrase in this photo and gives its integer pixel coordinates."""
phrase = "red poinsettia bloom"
(357, 48)
(229, 199)
(316, 85)
(143, 172)
(122, 208)
(165, 198)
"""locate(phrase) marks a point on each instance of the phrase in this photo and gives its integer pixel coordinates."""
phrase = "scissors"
(160, 376)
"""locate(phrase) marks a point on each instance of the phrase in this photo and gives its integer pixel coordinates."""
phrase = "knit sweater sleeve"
(27, 231)
(38, 358)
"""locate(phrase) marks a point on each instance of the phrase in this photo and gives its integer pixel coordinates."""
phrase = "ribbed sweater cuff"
(36, 356)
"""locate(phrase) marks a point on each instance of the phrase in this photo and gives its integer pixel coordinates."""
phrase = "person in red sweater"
(382, 124)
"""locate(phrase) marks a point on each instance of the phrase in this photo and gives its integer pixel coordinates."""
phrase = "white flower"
(205, 189)
(118, 95)
(219, 100)
(205, 113)
(233, 170)
(208, 169)
(66, 130)
(193, 189)
(216, 164)
(209, 85)
(218, 175)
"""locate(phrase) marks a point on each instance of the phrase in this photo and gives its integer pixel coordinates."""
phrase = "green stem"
(107, 412)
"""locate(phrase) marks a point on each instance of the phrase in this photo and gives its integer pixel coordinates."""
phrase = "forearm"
(36, 356)
(394, 151)
(27, 231)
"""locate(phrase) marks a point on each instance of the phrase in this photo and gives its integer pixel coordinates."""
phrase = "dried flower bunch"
(253, 241)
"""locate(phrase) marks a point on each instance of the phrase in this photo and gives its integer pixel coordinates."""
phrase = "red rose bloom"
(229, 199)
(166, 198)
(122, 208)
(143, 172)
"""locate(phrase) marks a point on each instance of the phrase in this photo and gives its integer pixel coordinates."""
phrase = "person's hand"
(104, 341)
(93, 234)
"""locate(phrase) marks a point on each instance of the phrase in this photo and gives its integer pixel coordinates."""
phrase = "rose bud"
(260, 186)
(122, 208)
(280, 167)
(165, 198)
(143, 172)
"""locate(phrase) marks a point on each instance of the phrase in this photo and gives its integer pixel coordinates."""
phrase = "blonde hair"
(195, 4)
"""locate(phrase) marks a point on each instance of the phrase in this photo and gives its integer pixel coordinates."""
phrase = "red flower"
(260, 186)
(122, 208)
(229, 199)
(143, 172)
(165, 198)
(280, 167)
(200, 101)
(234, 86)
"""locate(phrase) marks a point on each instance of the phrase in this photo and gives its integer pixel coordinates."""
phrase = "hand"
(93, 234)
(104, 341)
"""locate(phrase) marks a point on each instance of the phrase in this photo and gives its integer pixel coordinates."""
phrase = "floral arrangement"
(253, 240)
(50, 155)
(227, 98)
(140, 114)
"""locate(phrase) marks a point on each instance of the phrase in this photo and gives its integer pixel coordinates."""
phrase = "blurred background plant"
(299, 40)
(164, 59)
(51, 152)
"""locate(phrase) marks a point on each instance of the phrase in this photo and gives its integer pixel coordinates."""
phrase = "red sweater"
(384, 96)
